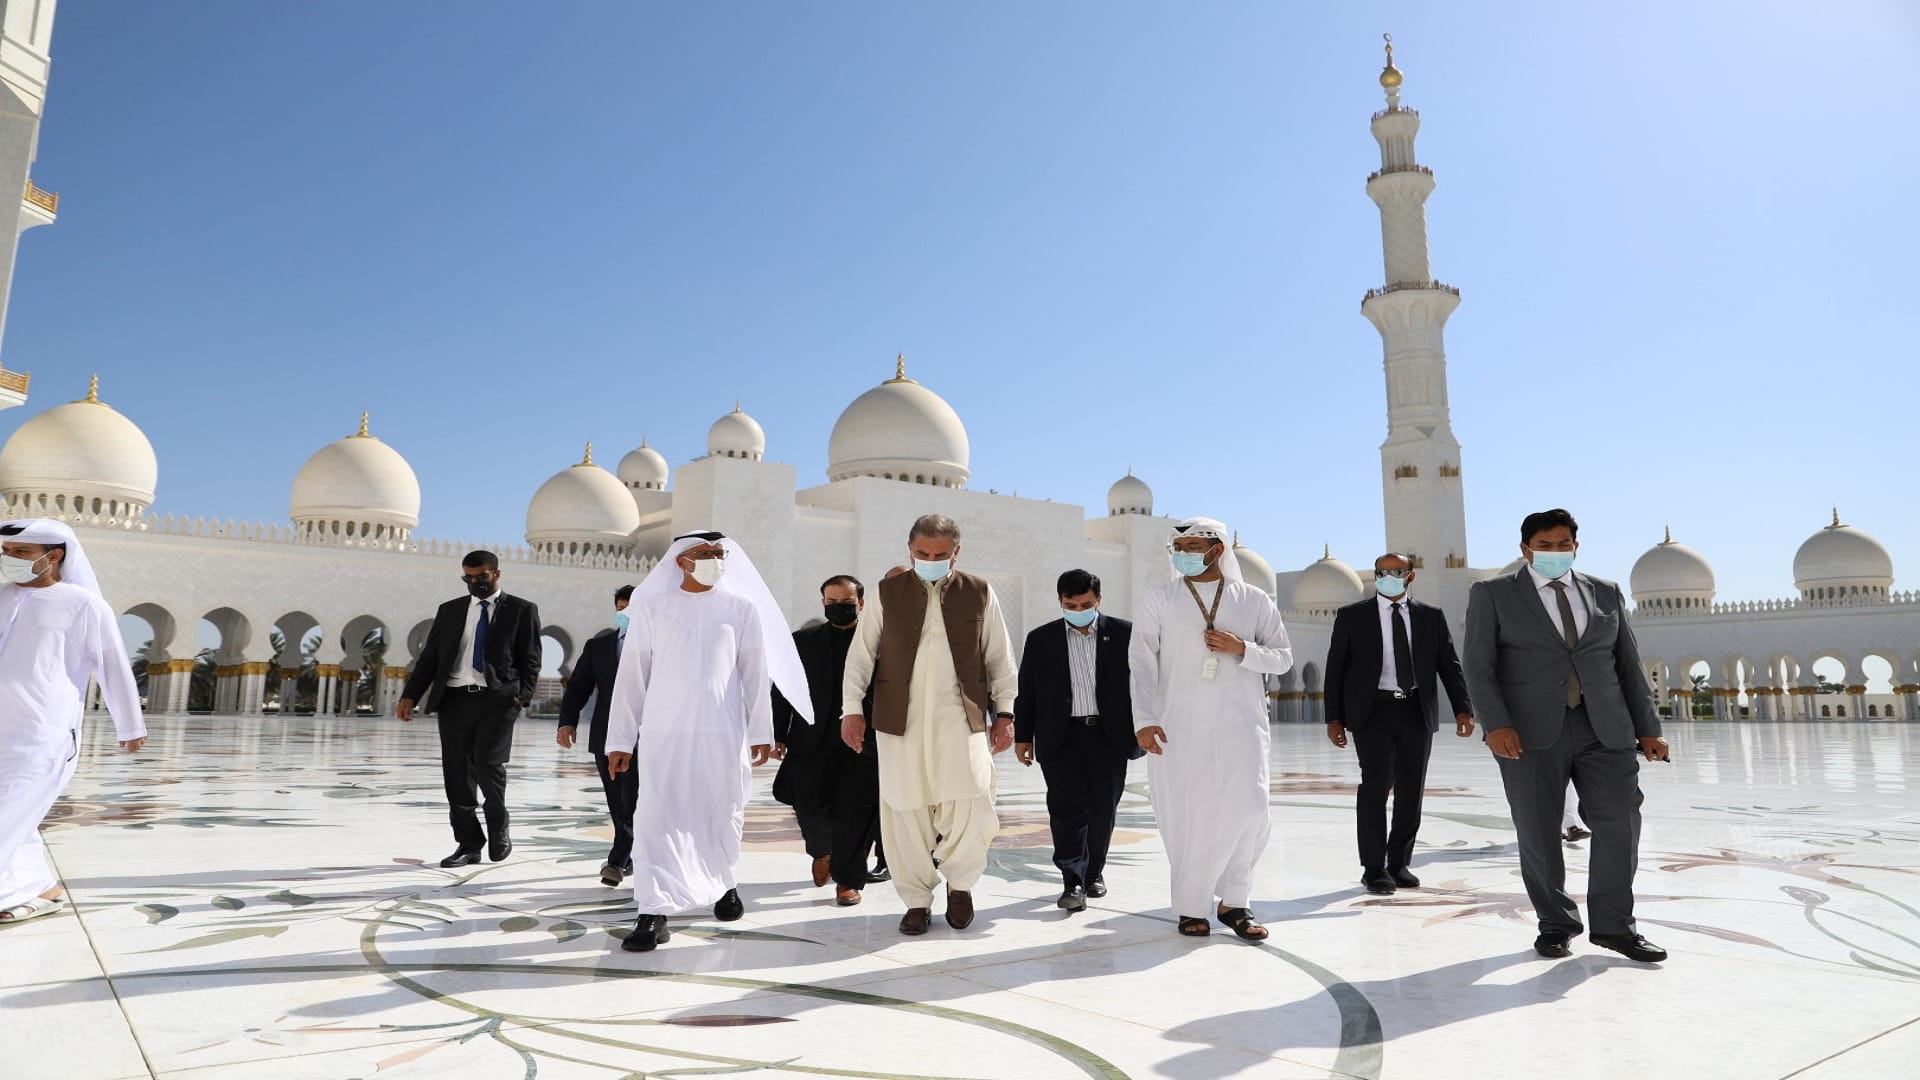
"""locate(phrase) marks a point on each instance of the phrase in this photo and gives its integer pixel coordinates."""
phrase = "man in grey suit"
(1556, 678)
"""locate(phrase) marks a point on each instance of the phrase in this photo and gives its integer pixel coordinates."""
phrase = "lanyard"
(1205, 612)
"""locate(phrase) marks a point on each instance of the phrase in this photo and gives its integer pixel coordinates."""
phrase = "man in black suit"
(593, 678)
(1075, 714)
(477, 669)
(1389, 657)
(833, 789)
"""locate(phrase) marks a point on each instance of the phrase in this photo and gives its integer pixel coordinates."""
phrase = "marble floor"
(260, 898)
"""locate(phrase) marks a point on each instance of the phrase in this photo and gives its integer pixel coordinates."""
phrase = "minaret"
(24, 31)
(1420, 460)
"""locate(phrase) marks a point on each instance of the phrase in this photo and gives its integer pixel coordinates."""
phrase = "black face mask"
(842, 614)
(480, 589)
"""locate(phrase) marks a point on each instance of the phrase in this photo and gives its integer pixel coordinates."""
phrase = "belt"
(469, 689)
(1397, 695)
(1087, 720)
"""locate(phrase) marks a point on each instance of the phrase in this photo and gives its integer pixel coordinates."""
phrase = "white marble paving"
(258, 899)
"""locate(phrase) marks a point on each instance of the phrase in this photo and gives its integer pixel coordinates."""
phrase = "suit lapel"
(1585, 586)
(1530, 598)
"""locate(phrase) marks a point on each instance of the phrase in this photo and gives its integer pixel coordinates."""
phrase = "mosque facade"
(341, 593)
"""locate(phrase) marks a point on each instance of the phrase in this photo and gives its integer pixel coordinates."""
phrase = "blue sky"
(1111, 234)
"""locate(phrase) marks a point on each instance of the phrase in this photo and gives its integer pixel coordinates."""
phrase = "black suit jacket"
(1046, 687)
(1358, 649)
(823, 653)
(592, 678)
(512, 656)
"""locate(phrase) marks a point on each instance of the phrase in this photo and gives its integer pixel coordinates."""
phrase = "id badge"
(1211, 668)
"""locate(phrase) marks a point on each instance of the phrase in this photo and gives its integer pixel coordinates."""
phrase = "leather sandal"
(1242, 923)
(1195, 926)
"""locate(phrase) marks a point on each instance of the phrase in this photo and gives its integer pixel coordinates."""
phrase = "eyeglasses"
(703, 556)
(1378, 574)
(475, 579)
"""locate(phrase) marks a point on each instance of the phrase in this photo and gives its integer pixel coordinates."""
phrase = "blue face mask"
(1082, 619)
(620, 620)
(932, 569)
(1389, 587)
(1189, 563)
(1553, 564)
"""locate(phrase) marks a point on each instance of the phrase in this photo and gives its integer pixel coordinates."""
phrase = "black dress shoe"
(1631, 946)
(610, 875)
(1377, 881)
(648, 931)
(1403, 877)
(1574, 834)
(1553, 945)
(461, 857)
(499, 847)
(1073, 899)
(878, 875)
(730, 906)
(1097, 888)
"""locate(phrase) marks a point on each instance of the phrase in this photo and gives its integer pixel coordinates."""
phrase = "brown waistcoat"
(963, 605)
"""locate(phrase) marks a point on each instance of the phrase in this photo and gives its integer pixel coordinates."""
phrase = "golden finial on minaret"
(588, 460)
(363, 433)
(93, 391)
(1390, 76)
(900, 369)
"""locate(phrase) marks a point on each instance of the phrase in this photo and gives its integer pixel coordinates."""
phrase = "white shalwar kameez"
(693, 693)
(53, 639)
(1210, 783)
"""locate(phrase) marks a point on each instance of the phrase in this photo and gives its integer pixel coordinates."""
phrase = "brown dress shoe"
(916, 920)
(846, 897)
(959, 909)
(822, 870)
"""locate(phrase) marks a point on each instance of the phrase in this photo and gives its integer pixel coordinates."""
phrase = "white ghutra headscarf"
(1209, 529)
(74, 567)
(743, 580)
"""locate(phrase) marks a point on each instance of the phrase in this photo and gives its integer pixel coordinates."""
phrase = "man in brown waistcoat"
(939, 684)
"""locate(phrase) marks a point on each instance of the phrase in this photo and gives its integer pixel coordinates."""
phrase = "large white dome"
(1327, 586)
(1257, 571)
(737, 435)
(79, 460)
(582, 510)
(900, 430)
(357, 487)
(1841, 564)
(644, 469)
(1131, 495)
(1672, 576)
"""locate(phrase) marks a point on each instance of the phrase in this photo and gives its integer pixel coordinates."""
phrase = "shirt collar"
(1386, 603)
(1542, 582)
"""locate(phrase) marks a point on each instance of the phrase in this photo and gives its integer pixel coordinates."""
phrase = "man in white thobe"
(934, 647)
(692, 709)
(56, 634)
(1202, 647)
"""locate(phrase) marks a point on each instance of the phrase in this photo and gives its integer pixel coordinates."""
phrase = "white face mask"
(20, 571)
(708, 572)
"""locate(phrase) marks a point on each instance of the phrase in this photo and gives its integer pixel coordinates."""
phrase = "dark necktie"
(1402, 652)
(1572, 633)
(480, 640)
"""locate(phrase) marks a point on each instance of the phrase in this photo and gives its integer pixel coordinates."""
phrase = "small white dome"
(644, 469)
(1513, 567)
(737, 435)
(1841, 564)
(900, 430)
(80, 459)
(1327, 585)
(582, 510)
(1672, 575)
(357, 487)
(1257, 571)
(1131, 495)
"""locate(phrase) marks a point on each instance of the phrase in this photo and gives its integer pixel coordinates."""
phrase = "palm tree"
(204, 684)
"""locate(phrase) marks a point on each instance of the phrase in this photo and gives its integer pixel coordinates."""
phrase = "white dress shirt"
(463, 673)
(1389, 671)
(1081, 670)
(1551, 601)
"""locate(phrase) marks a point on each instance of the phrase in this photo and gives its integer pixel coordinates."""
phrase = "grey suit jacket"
(1517, 664)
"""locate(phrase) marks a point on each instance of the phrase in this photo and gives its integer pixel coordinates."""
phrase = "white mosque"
(312, 591)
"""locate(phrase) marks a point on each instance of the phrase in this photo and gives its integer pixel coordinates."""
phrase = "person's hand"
(1463, 724)
(779, 751)
(1221, 641)
(1504, 742)
(404, 710)
(618, 762)
(564, 737)
(1001, 735)
(1023, 752)
(130, 745)
(761, 753)
(1150, 738)
(1655, 748)
(1337, 733)
(853, 731)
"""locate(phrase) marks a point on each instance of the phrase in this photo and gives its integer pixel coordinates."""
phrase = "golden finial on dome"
(93, 391)
(899, 369)
(588, 460)
(1836, 520)
(1390, 76)
(1668, 539)
(1236, 538)
(363, 433)
(1326, 552)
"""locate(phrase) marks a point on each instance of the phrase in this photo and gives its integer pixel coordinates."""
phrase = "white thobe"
(52, 641)
(936, 780)
(692, 694)
(1210, 783)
